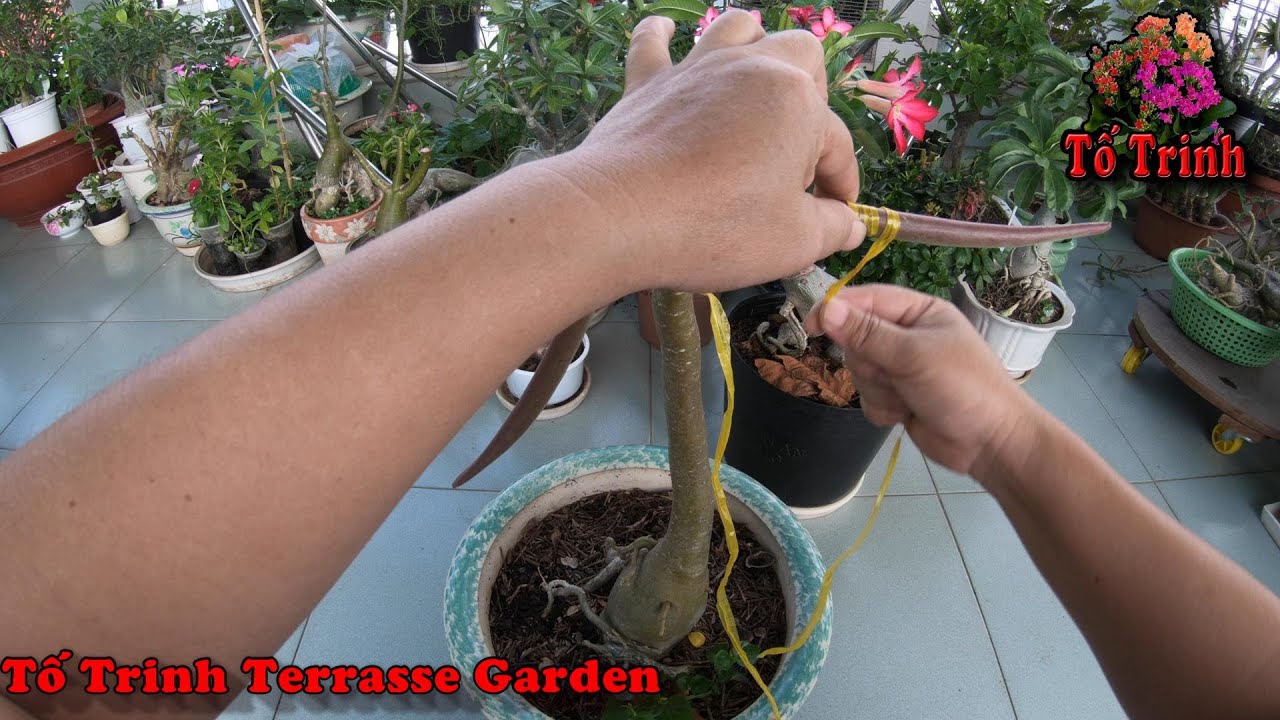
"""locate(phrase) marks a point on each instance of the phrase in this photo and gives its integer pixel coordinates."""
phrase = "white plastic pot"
(370, 26)
(569, 385)
(5, 145)
(111, 232)
(34, 122)
(61, 228)
(138, 177)
(138, 124)
(1020, 346)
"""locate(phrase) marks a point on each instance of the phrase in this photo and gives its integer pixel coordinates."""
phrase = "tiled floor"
(941, 615)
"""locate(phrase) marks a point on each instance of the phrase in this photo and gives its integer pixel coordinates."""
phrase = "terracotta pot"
(649, 324)
(1160, 232)
(1269, 185)
(35, 177)
(333, 237)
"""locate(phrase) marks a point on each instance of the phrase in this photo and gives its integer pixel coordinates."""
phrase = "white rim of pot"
(1062, 323)
(574, 368)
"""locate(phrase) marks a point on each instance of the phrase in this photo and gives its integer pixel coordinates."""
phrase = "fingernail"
(834, 314)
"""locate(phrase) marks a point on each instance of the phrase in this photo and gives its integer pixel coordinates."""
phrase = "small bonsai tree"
(1244, 273)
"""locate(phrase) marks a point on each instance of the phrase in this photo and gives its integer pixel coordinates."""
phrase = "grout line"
(39, 286)
(981, 612)
(292, 661)
(145, 280)
(1107, 410)
(49, 379)
(1172, 510)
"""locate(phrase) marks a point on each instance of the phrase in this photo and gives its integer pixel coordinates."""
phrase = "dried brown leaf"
(799, 370)
(776, 375)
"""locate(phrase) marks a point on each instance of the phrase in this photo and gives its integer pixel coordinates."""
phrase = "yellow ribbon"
(720, 327)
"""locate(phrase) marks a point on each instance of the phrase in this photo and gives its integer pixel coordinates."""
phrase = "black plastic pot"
(435, 37)
(282, 244)
(224, 261)
(256, 260)
(97, 218)
(806, 453)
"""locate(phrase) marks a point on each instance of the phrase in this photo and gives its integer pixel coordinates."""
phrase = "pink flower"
(908, 113)
(801, 15)
(895, 85)
(234, 60)
(202, 66)
(411, 107)
(712, 14)
(180, 70)
(828, 24)
(52, 228)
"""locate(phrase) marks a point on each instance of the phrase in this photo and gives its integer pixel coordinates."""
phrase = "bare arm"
(1179, 629)
(122, 537)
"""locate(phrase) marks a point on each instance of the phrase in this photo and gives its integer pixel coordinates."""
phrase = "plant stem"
(660, 595)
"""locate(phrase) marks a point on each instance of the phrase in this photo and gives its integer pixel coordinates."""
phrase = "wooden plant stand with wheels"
(1249, 398)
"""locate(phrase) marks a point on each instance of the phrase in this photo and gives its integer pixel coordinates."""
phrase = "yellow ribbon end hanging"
(871, 217)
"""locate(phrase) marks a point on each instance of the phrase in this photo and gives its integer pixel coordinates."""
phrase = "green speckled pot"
(561, 482)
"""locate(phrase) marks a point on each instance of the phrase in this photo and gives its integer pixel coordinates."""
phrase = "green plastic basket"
(1212, 325)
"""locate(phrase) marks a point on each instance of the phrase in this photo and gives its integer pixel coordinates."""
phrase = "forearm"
(213, 479)
(1179, 630)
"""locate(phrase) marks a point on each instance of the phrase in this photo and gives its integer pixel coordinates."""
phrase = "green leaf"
(1057, 191)
(682, 11)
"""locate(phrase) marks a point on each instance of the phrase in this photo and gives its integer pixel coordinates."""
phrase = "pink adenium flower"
(829, 24)
(712, 14)
(895, 85)
(180, 70)
(801, 15)
(234, 60)
(908, 114)
(411, 107)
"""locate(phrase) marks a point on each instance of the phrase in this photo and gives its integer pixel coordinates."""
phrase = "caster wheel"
(1225, 440)
(1133, 357)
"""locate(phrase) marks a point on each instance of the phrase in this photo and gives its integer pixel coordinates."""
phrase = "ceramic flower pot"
(174, 223)
(65, 226)
(501, 525)
(1021, 346)
(332, 237)
(569, 385)
(32, 123)
(112, 232)
(1159, 232)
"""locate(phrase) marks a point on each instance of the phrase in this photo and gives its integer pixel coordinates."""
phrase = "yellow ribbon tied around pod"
(884, 231)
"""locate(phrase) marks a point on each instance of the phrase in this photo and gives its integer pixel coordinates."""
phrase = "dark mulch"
(574, 536)
(531, 364)
(999, 297)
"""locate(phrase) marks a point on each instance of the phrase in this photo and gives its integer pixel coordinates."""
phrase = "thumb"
(862, 332)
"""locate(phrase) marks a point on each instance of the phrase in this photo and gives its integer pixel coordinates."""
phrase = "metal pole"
(410, 70)
(361, 48)
(307, 119)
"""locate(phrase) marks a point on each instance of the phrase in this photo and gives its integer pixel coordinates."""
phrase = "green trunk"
(660, 595)
(327, 187)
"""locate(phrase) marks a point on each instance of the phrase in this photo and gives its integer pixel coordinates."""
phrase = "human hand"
(917, 360)
(703, 167)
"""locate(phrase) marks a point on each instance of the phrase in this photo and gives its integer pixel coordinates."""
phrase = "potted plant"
(167, 148)
(1225, 296)
(568, 387)
(249, 249)
(29, 39)
(442, 33)
(108, 219)
(66, 219)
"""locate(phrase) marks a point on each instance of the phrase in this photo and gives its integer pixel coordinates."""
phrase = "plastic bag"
(299, 66)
